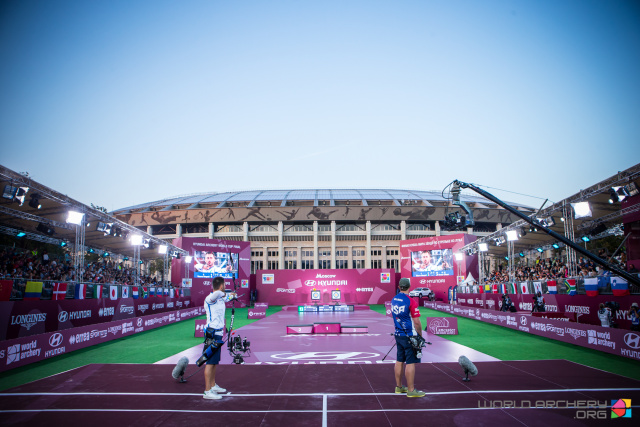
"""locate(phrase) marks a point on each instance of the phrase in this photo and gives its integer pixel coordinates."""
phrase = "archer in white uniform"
(214, 308)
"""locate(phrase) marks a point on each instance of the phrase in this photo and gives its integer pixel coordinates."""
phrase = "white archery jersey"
(214, 308)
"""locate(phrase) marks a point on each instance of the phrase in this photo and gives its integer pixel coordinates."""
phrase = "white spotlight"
(581, 210)
(136, 240)
(483, 247)
(188, 259)
(458, 256)
(162, 249)
(75, 217)
(512, 235)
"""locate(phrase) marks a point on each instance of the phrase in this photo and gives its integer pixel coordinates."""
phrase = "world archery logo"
(621, 408)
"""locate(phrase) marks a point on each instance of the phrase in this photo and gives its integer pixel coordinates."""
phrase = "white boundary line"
(324, 395)
(298, 411)
(324, 410)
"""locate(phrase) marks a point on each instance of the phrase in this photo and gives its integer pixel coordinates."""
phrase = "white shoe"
(218, 389)
(210, 394)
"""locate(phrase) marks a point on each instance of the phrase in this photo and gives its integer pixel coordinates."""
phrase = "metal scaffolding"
(571, 258)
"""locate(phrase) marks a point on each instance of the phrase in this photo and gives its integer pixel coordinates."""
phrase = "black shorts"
(405, 353)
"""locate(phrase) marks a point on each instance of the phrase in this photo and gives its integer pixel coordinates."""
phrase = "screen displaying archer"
(437, 262)
(214, 264)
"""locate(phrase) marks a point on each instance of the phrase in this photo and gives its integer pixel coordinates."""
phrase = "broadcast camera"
(238, 348)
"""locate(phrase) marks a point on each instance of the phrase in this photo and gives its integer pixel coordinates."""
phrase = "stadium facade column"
(280, 246)
(437, 227)
(367, 259)
(333, 244)
(403, 230)
(179, 230)
(245, 231)
(211, 229)
(149, 230)
(384, 256)
(316, 257)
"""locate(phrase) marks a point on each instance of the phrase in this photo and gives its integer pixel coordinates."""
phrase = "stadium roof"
(328, 197)
(48, 222)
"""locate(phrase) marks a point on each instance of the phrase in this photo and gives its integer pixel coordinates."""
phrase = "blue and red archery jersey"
(403, 308)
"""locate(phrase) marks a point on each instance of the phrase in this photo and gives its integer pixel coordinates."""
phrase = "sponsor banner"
(387, 306)
(200, 326)
(611, 340)
(261, 304)
(256, 313)
(294, 287)
(25, 350)
(26, 318)
(584, 308)
(442, 325)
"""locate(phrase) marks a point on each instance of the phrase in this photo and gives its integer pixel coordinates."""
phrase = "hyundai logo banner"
(610, 340)
(29, 349)
(295, 287)
(26, 318)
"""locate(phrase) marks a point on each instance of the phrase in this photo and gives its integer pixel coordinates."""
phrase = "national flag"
(152, 291)
(80, 291)
(125, 292)
(537, 287)
(113, 292)
(524, 289)
(571, 286)
(59, 291)
(172, 293)
(6, 287)
(97, 291)
(33, 290)
(181, 292)
(513, 288)
(619, 286)
(604, 282)
(503, 288)
(166, 292)
(591, 286)
(552, 287)
(145, 292)
(487, 289)
(494, 289)
(134, 292)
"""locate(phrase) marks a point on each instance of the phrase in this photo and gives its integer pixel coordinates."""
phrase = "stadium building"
(317, 229)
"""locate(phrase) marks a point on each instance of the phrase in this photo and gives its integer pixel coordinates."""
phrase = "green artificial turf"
(144, 347)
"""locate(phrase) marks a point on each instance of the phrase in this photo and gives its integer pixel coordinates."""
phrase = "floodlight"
(9, 192)
(548, 222)
(499, 240)
(21, 194)
(586, 239)
(21, 234)
(521, 254)
(512, 235)
(35, 201)
(507, 258)
(125, 258)
(75, 217)
(49, 231)
(162, 249)
(188, 259)
(556, 246)
(581, 210)
(136, 240)
(105, 227)
(90, 250)
(562, 218)
(63, 244)
(458, 256)
(105, 254)
(483, 247)
(539, 249)
(141, 262)
(522, 232)
(533, 229)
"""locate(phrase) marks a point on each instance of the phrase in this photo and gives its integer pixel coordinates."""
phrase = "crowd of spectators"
(556, 269)
(40, 266)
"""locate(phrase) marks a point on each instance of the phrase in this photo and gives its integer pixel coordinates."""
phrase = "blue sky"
(122, 102)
